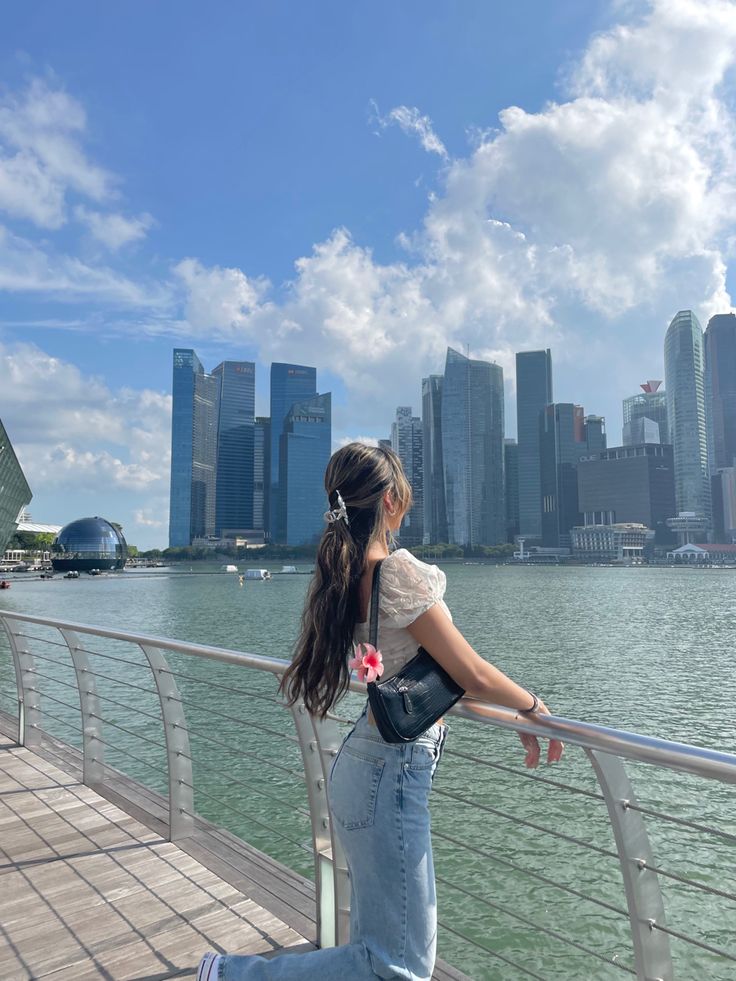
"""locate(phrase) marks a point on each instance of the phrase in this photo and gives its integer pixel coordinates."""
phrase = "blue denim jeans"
(379, 796)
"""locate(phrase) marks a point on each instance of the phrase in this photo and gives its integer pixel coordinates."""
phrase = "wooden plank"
(90, 888)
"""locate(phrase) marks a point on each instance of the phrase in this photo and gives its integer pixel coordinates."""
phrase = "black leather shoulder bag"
(409, 702)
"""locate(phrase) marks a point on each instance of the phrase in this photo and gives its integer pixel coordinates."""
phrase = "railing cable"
(494, 953)
(537, 926)
(527, 824)
(246, 814)
(533, 875)
(535, 778)
(682, 822)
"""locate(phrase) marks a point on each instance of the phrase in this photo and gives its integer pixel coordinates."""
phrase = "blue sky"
(349, 185)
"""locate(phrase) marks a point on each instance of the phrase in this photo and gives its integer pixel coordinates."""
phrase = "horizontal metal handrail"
(709, 763)
(606, 747)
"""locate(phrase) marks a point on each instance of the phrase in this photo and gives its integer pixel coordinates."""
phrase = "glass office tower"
(562, 431)
(472, 450)
(645, 416)
(533, 393)
(719, 345)
(234, 507)
(511, 475)
(290, 383)
(193, 450)
(685, 383)
(305, 446)
(406, 442)
(261, 471)
(15, 494)
(435, 513)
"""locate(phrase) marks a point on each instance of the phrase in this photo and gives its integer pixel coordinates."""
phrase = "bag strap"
(375, 590)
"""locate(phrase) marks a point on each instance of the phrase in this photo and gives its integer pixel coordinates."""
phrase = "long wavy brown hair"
(362, 475)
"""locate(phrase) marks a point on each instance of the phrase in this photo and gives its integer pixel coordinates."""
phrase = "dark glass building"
(472, 450)
(15, 494)
(685, 383)
(533, 393)
(235, 446)
(305, 447)
(195, 410)
(563, 438)
(261, 471)
(290, 383)
(511, 472)
(719, 344)
(435, 512)
(406, 442)
(629, 484)
(89, 543)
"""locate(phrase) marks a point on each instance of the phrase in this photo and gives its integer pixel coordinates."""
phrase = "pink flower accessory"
(368, 662)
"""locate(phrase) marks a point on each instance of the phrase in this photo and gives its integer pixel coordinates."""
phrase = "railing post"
(652, 957)
(178, 752)
(93, 748)
(319, 740)
(29, 704)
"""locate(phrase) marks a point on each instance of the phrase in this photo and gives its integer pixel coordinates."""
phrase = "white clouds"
(217, 298)
(41, 158)
(113, 230)
(412, 122)
(28, 268)
(142, 517)
(72, 430)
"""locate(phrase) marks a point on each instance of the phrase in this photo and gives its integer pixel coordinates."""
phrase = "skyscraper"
(305, 446)
(533, 393)
(234, 494)
(649, 405)
(565, 436)
(719, 345)
(406, 442)
(472, 450)
(435, 512)
(193, 449)
(261, 471)
(684, 380)
(290, 383)
(511, 472)
(15, 494)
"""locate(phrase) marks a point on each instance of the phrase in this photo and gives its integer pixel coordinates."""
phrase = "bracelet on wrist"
(532, 708)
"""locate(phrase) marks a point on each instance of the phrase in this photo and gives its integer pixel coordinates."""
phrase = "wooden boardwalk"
(89, 892)
(91, 889)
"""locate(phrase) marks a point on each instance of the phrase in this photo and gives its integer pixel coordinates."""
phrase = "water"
(644, 649)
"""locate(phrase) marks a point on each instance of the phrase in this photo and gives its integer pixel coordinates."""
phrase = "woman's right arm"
(437, 633)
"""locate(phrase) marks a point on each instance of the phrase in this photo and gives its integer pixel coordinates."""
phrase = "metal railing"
(141, 687)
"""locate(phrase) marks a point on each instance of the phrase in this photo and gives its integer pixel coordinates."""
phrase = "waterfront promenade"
(87, 891)
(170, 757)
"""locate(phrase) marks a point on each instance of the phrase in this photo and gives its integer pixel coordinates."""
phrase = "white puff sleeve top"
(409, 587)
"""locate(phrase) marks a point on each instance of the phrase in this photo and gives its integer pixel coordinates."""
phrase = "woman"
(378, 791)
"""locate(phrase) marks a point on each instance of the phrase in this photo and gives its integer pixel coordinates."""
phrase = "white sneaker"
(209, 967)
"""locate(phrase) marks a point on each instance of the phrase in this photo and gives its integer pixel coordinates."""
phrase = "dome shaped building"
(89, 543)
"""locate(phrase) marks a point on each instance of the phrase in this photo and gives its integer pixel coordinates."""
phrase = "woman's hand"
(531, 743)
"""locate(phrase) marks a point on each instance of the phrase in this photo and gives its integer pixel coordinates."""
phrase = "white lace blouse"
(409, 588)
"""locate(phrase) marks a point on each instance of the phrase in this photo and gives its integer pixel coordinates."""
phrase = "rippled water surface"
(650, 650)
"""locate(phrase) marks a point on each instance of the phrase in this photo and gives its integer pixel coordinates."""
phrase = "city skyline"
(143, 211)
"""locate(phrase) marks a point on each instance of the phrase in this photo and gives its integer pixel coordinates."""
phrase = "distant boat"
(229, 568)
(71, 575)
(257, 574)
(288, 570)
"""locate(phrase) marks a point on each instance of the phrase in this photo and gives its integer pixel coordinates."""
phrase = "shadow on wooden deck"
(91, 889)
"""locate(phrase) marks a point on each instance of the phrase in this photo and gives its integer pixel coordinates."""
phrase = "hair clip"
(340, 512)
